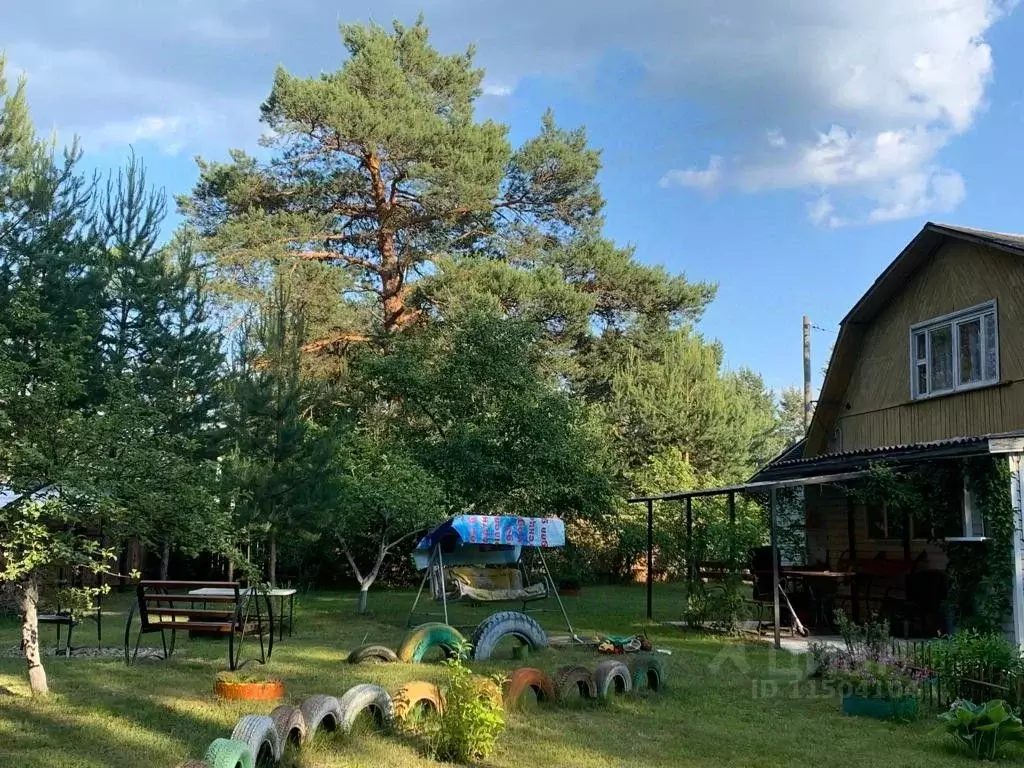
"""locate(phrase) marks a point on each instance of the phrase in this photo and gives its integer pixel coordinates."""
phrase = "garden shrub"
(468, 729)
(970, 654)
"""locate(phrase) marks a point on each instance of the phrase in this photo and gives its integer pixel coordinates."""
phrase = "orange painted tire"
(410, 695)
(528, 678)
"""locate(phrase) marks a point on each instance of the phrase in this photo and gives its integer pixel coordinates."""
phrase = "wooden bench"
(166, 607)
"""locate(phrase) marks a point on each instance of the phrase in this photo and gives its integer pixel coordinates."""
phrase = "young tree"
(50, 315)
(384, 499)
(280, 464)
(163, 363)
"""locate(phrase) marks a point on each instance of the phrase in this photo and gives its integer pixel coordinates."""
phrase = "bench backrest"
(163, 602)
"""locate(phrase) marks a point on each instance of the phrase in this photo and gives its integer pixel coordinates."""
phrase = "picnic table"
(278, 592)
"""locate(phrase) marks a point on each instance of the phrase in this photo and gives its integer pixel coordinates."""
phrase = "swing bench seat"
(485, 585)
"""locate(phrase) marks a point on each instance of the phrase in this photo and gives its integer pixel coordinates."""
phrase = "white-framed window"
(954, 352)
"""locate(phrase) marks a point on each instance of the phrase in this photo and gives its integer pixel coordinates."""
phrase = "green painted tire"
(423, 638)
(228, 753)
(648, 673)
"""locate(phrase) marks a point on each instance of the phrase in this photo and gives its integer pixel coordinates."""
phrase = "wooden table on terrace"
(279, 593)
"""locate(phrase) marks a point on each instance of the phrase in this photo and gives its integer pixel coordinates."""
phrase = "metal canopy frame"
(769, 486)
(437, 562)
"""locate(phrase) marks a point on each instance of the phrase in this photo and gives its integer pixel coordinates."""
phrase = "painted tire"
(410, 695)
(373, 654)
(260, 733)
(648, 673)
(366, 697)
(320, 711)
(573, 682)
(527, 678)
(488, 689)
(227, 753)
(612, 677)
(290, 725)
(491, 630)
(421, 639)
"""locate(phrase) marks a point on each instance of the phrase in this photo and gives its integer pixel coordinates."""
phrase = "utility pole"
(807, 373)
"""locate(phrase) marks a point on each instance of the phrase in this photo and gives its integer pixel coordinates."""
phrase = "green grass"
(715, 711)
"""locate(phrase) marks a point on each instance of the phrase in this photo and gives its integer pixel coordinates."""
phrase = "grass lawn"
(719, 709)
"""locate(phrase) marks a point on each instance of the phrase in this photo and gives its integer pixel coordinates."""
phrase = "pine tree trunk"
(30, 637)
(165, 561)
(272, 558)
(231, 570)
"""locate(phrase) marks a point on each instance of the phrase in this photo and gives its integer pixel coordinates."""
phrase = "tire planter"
(491, 630)
(880, 709)
(366, 698)
(574, 682)
(269, 690)
(259, 732)
(320, 711)
(488, 689)
(648, 673)
(411, 695)
(372, 654)
(612, 677)
(425, 637)
(290, 725)
(226, 753)
(528, 678)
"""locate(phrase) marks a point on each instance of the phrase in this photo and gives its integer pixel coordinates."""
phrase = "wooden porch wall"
(827, 531)
(878, 409)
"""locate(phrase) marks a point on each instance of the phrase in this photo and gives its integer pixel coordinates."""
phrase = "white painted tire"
(320, 711)
(290, 724)
(260, 733)
(366, 697)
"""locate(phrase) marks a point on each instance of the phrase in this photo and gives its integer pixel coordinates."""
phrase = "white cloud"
(497, 89)
(855, 99)
(821, 212)
(703, 179)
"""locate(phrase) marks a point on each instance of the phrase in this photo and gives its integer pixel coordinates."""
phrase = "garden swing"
(478, 560)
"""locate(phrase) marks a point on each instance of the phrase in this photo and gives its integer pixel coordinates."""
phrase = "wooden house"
(926, 378)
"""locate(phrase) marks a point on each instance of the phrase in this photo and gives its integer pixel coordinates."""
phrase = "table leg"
(291, 613)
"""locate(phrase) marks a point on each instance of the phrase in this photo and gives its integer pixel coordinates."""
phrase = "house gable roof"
(888, 285)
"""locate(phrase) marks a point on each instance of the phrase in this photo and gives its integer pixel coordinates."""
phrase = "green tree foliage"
(97, 443)
(458, 417)
(162, 364)
(791, 416)
(279, 468)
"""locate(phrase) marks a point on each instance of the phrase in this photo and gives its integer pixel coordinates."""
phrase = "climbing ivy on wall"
(980, 573)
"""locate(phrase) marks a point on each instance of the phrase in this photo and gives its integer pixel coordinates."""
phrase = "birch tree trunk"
(30, 637)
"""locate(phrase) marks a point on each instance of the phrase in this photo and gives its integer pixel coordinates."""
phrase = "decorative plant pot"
(264, 690)
(880, 709)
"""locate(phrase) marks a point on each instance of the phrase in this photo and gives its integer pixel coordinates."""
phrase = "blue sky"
(784, 149)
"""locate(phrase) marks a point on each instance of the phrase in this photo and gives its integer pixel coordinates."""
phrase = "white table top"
(225, 592)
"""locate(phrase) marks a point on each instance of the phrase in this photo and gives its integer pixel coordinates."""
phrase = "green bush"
(472, 721)
(981, 729)
(973, 654)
